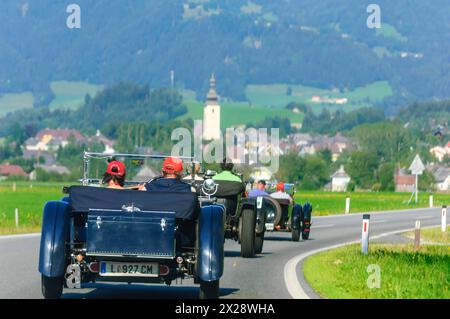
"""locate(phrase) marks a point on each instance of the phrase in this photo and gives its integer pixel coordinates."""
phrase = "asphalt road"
(260, 277)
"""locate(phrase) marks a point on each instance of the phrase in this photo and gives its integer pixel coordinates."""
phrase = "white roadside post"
(417, 236)
(14, 187)
(431, 200)
(444, 219)
(347, 205)
(365, 234)
(16, 213)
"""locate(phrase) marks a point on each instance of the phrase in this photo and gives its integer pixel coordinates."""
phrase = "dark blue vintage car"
(99, 234)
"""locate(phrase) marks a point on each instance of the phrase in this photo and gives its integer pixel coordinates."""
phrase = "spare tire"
(270, 203)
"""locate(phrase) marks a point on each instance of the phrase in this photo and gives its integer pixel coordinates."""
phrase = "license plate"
(108, 268)
(269, 226)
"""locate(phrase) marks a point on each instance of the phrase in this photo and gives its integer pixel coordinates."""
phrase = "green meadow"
(241, 113)
(15, 102)
(70, 95)
(275, 95)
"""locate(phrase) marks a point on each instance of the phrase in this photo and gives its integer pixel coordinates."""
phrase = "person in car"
(194, 176)
(115, 174)
(260, 190)
(227, 172)
(280, 193)
(171, 180)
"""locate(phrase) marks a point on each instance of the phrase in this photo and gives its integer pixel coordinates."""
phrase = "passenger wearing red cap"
(171, 180)
(115, 174)
(280, 193)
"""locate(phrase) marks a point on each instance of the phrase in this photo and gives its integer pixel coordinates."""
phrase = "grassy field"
(14, 102)
(29, 201)
(70, 95)
(326, 203)
(404, 274)
(275, 95)
(241, 113)
(434, 235)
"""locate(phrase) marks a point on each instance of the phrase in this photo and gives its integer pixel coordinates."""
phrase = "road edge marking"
(20, 236)
(291, 281)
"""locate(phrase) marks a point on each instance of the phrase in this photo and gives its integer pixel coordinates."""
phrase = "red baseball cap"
(280, 187)
(116, 168)
(172, 165)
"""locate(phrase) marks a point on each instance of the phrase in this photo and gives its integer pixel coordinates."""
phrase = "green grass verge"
(434, 235)
(15, 102)
(29, 201)
(70, 95)
(327, 203)
(342, 273)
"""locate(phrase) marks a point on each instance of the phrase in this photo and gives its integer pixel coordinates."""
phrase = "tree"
(362, 168)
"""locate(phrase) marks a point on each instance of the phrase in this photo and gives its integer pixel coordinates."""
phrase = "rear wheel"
(259, 242)
(52, 287)
(247, 230)
(209, 289)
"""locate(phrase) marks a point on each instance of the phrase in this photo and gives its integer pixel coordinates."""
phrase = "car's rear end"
(99, 234)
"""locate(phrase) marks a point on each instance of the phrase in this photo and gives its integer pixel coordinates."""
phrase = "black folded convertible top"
(184, 205)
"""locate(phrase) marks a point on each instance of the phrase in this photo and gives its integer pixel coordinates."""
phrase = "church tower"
(211, 113)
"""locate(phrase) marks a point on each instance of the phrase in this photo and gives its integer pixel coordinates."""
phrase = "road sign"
(417, 166)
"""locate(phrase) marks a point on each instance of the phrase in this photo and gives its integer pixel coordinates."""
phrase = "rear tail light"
(163, 270)
(93, 267)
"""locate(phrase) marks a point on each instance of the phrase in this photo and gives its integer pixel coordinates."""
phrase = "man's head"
(115, 173)
(261, 185)
(172, 167)
(227, 165)
(280, 187)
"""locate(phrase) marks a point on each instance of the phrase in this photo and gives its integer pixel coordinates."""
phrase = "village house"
(49, 140)
(101, 139)
(7, 170)
(57, 169)
(442, 178)
(404, 182)
(440, 152)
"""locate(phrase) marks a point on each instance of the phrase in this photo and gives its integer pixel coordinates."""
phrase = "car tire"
(259, 242)
(52, 287)
(248, 223)
(295, 234)
(305, 235)
(209, 289)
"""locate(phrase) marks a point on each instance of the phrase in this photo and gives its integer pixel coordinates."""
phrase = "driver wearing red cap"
(171, 180)
(280, 193)
(115, 174)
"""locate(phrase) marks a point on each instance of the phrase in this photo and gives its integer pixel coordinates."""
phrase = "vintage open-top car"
(286, 215)
(99, 234)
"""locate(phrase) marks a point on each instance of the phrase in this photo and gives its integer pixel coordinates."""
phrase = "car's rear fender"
(211, 243)
(55, 228)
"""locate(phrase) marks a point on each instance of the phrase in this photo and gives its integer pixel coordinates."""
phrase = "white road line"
(324, 226)
(291, 281)
(415, 210)
(425, 217)
(378, 221)
(20, 236)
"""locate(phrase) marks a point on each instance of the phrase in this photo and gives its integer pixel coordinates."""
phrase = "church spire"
(212, 94)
